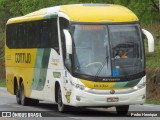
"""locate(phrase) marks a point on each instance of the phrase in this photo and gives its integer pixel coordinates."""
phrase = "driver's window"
(66, 57)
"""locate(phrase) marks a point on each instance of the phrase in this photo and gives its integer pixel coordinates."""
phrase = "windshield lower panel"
(107, 51)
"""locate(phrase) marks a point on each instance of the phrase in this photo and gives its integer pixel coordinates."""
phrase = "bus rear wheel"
(18, 99)
(24, 100)
(122, 110)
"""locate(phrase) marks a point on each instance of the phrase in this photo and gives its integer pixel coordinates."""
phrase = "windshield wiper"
(100, 69)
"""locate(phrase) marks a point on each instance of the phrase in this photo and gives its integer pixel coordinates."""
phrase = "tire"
(24, 100)
(122, 110)
(18, 99)
(61, 106)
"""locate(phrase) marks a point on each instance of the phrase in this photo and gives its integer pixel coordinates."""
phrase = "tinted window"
(34, 34)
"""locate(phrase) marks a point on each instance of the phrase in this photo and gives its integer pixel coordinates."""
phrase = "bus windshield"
(107, 50)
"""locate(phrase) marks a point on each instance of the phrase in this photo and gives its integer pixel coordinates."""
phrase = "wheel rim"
(59, 99)
(17, 94)
(22, 96)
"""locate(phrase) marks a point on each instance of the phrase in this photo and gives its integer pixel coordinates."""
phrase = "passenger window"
(33, 34)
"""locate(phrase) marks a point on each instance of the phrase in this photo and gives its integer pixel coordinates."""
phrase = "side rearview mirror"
(150, 40)
(68, 41)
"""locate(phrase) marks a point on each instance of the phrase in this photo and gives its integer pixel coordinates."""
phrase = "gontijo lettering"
(23, 58)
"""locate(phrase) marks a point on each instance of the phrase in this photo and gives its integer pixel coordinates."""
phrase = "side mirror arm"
(68, 41)
(150, 40)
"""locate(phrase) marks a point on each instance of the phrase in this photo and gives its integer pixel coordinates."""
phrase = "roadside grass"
(153, 63)
(2, 83)
(153, 59)
(148, 101)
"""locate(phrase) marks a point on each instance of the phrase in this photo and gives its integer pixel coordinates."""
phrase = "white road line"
(77, 118)
(148, 105)
(18, 106)
(3, 103)
(7, 118)
(3, 88)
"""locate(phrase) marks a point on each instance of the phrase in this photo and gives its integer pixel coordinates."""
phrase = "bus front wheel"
(61, 106)
(122, 110)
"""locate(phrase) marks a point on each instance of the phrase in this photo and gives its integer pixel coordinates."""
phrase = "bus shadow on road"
(79, 111)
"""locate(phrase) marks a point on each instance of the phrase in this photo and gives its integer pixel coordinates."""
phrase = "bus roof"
(98, 13)
(83, 13)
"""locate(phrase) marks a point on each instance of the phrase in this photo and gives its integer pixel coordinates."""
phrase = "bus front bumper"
(82, 98)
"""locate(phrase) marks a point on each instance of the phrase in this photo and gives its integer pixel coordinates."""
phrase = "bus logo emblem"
(112, 92)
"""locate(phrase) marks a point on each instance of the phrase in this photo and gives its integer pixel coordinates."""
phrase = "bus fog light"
(78, 98)
(77, 85)
(81, 87)
(143, 97)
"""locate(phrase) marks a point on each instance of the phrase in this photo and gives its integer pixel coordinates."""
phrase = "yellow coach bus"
(82, 55)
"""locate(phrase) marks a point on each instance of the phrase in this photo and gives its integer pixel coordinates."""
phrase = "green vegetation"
(2, 83)
(146, 10)
(152, 59)
(152, 101)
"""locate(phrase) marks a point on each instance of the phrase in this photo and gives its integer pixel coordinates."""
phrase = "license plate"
(114, 99)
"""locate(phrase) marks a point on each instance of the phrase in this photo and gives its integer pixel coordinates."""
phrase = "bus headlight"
(137, 87)
(81, 87)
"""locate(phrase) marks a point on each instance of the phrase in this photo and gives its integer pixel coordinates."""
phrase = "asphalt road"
(8, 103)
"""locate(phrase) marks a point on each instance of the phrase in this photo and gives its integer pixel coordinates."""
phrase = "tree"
(156, 4)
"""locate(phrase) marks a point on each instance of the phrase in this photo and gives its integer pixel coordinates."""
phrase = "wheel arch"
(17, 82)
(20, 81)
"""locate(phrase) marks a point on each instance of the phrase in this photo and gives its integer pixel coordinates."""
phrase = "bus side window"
(14, 42)
(36, 38)
(21, 39)
(53, 35)
(10, 35)
(30, 33)
(33, 34)
(44, 35)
